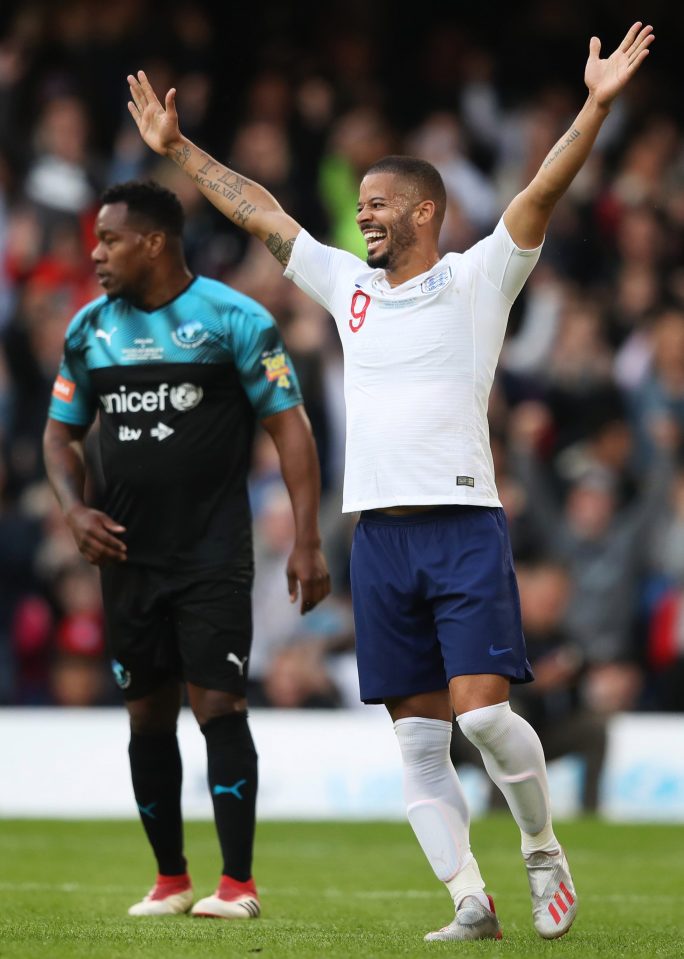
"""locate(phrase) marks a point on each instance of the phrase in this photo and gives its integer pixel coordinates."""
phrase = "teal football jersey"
(177, 390)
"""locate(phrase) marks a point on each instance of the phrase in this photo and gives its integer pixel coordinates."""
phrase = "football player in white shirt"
(435, 599)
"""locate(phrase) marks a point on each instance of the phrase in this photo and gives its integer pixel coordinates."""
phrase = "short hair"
(149, 201)
(424, 175)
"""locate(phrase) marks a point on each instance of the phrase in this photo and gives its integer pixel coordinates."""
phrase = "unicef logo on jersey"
(190, 335)
(186, 396)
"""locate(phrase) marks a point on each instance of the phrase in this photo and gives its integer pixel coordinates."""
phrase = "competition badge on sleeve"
(276, 368)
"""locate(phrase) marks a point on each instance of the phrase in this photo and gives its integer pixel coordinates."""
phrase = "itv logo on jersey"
(184, 396)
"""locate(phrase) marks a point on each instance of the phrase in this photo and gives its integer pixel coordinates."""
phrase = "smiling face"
(385, 215)
(122, 253)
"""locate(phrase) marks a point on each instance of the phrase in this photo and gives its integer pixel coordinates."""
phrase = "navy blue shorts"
(435, 596)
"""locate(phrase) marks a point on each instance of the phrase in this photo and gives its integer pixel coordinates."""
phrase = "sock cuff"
(226, 726)
(488, 726)
(485, 713)
(154, 739)
(418, 723)
(154, 749)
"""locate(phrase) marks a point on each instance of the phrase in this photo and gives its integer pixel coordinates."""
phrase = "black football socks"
(232, 772)
(157, 777)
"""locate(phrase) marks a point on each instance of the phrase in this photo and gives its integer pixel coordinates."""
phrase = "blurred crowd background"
(587, 412)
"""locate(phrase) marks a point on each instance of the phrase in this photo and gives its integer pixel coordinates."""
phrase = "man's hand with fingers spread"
(158, 125)
(606, 78)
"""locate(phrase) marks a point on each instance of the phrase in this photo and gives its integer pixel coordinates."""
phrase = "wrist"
(601, 107)
(178, 150)
(310, 541)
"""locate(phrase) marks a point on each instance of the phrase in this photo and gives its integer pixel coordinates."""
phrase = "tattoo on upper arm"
(563, 145)
(281, 249)
(181, 156)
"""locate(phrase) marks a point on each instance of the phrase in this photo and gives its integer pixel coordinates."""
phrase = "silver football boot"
(554, 900)
(472, 921)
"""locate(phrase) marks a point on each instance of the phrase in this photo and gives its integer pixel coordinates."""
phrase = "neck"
(165, 285)
(417, 262)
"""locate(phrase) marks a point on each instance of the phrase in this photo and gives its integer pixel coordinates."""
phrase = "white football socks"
(436, 805)
(514, 759)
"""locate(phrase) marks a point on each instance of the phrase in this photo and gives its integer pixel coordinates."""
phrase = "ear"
(155, 243)
(424, 212)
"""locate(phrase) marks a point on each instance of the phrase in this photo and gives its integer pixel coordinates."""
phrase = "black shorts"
(160, 624)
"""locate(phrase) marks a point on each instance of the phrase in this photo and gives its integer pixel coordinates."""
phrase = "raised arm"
(528, 215)
(244, 202)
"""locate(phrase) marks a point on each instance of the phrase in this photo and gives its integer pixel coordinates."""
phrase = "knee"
(424, 743)
(486, 727)
(157, 713)
(146, 722)
(212, 704)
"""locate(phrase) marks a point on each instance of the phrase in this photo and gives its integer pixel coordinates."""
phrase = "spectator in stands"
(78, 676)
(289, 666)
(618, 235)
(599, 542)
(661, 393)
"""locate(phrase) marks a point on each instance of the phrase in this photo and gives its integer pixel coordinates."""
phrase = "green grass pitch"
(331, 890)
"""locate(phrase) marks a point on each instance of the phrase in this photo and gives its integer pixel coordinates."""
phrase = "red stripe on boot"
(557, 897)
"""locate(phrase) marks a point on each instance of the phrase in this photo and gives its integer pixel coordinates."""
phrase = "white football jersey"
(419, 365)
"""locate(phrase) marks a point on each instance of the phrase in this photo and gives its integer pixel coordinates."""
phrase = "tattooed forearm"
(229, 179)
(558, 149)
(243, 212)
(216, 187)
(244, 202)
(228, 185)
(281, 249)
(181, 156)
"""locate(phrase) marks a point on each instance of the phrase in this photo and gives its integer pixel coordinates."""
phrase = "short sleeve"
(501, 262)
(315, 268)
(72, 398)
(266, 371)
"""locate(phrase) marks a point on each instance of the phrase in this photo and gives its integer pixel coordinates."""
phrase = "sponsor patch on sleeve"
(276, 369)
(64, 389)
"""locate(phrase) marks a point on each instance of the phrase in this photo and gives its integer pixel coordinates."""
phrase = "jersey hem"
(282, 408)
(413, 500)
(53, 415)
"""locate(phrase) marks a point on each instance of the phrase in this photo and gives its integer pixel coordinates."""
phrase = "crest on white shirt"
(436, 281)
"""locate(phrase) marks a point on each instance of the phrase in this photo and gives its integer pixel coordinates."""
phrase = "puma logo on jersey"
(126, 434)
(240, 663)
(104, 335)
